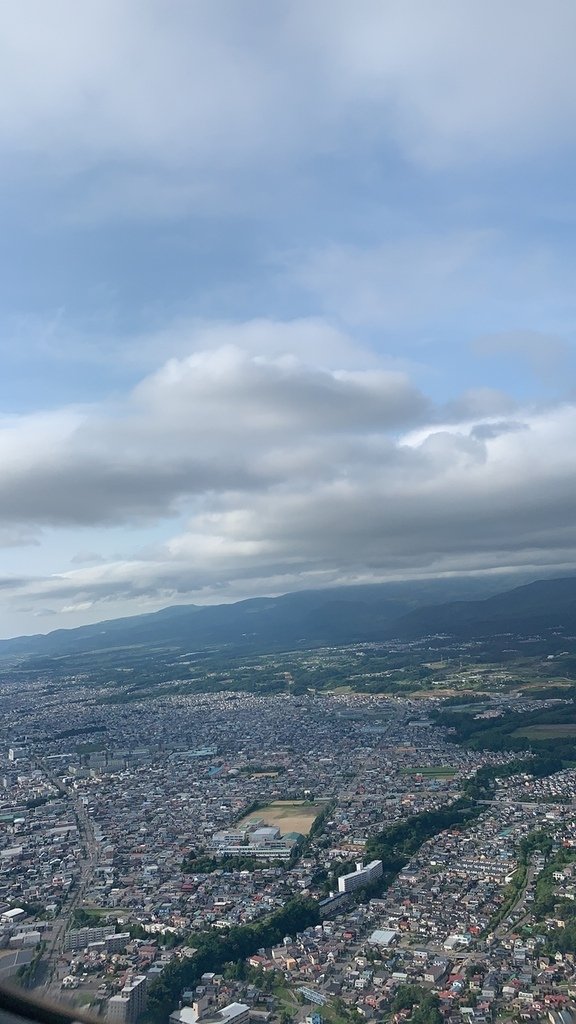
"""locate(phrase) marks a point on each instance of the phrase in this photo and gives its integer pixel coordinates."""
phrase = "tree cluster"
(214, 950)
(424, 1005)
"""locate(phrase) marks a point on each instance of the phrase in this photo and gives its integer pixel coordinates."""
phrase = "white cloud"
(165, 102)
(460, 81)
(285, 475)
(397, 284)
(311, 339)
(468, 280)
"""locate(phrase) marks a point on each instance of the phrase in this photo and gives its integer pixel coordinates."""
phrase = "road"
(44, 976)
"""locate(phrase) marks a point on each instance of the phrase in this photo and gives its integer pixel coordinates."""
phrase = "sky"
(286, 298)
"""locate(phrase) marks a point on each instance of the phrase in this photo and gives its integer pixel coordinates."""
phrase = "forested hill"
(324, 617)
(311, 618)
(530, 609)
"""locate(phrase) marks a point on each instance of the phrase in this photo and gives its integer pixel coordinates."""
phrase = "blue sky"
(287, 297)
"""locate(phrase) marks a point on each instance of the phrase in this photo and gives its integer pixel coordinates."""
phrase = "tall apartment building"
(126, 1007)
(362, 876)
(79, 938)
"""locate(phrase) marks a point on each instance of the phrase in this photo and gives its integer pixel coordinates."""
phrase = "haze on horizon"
(287, 298)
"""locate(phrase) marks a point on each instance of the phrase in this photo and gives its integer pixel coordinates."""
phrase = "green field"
(547, 732)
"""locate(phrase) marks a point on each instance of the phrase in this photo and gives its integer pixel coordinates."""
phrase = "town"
(131, 831)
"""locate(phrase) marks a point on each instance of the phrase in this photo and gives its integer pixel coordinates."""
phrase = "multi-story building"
(126, 1007)
(79, 938)
(362, 876)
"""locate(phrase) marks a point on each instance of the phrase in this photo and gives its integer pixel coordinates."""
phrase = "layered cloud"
(139, 91)
(221, 420)
(284, 473)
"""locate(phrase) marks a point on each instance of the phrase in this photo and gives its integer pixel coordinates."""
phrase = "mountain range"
(462, 607)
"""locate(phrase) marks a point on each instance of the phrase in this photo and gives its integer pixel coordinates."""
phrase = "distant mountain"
(528, 609)
(307, 618)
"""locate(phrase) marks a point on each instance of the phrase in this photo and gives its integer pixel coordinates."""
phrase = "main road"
(45, 971)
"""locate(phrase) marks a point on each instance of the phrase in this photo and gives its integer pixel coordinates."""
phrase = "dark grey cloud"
(88, 491)
(14, 582)
(486, 431)
(216, 422)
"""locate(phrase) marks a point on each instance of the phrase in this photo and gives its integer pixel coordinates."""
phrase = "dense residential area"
(234, 856)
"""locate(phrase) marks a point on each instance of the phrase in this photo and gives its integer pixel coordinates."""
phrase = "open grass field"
(547, 732)
(289, 815)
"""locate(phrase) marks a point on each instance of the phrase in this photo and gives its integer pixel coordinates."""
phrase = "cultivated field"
(546, 732)
(288, 815)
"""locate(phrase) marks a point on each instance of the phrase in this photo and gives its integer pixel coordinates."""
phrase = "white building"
(383, 937)
(254, 839)
(16, 753)
(13, 916)
(233, 1013)
(362, 876)
(80, 938)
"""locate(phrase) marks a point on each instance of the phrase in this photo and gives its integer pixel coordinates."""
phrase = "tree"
(473, 969)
